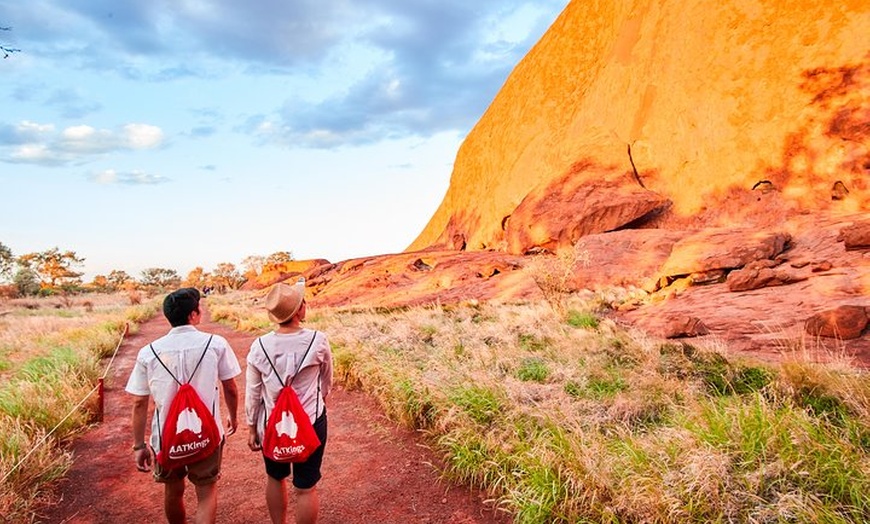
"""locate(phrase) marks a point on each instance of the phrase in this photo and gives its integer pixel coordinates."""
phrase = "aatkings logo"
(287, 451)
(187, 449)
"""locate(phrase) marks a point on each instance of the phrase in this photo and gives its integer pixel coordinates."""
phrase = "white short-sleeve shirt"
(180, 350)
(312, 384)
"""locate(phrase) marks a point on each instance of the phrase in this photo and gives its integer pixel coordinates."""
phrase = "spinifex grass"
(51, 363)
(562, 424)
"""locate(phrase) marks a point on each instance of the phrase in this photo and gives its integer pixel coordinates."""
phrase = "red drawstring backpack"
(289, 435)
(190, 432)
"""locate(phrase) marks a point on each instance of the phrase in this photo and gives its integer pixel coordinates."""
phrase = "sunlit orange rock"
(556, 216)
(273, 273)
(699, 102)
(857, 235)
(845, 322)
(662, 146)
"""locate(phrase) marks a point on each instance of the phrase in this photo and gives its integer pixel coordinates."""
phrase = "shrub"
(533, 370)
(479, 403)
(582, 320)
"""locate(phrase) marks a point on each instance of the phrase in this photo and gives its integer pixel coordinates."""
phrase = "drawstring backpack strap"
(260, 340)
(194, 369)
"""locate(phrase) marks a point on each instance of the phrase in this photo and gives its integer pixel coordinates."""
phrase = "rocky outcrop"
(423, 278)
(279, 272)
(697, 102)
(555, 217)
(761, 273)
(629, 257)
(684, 327)
(712, 250)
(774, 321)
(716, 155)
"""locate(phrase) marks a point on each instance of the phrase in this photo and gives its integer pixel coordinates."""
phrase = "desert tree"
(279, 257)
(7, 261)
(197, 278)
(54, 268)
(158, 278)
(27, 282)
(101, 284)
(253, 266)
(119, 279)
(225, 276)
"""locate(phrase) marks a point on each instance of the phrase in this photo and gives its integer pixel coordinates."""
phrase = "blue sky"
(183, 133)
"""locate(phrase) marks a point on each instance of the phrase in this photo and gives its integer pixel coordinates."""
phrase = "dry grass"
(49, 363)
(567, 417)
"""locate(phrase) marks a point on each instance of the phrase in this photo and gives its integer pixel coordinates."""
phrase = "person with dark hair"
(185, 354)
(300, 357)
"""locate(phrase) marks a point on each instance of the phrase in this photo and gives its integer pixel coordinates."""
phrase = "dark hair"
(178, 305)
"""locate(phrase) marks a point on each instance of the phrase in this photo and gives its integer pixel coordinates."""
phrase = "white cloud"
(111, 176)
(143, 136)
(41, 144)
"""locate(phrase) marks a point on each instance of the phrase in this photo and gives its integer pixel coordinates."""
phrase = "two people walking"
(288, 354)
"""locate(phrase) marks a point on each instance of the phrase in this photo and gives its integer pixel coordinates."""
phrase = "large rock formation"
(739, 112)
(713, 157)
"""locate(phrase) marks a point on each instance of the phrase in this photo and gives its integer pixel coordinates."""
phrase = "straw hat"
(283, 300)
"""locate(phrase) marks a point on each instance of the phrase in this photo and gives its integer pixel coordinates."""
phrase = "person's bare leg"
(307, 506)
(206, 507)
(276, 500)
(173, 501)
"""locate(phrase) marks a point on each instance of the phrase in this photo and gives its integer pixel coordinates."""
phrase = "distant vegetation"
(55, 272)
(565, 417)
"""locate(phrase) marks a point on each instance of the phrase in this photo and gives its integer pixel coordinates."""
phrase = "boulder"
(844, 322)
(856, 236)
(556, 216)
(759, 274)
(683, 327)
(629, 257)
(720, 248)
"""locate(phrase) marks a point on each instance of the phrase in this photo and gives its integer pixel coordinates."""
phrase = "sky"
(187, 133)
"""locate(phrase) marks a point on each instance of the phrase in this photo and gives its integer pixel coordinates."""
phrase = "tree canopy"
(53, 267)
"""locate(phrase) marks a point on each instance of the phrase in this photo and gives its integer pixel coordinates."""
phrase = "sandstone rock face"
(555, 217)
(629, 257)
(716, 155)
(433, 277)
(700, 102)
(771, 322)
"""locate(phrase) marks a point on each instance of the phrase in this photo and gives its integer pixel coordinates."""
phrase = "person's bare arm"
(142, 455)
(231, 396)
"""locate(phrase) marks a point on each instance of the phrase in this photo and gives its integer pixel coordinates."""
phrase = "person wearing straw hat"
(289, 353)
(184, 354)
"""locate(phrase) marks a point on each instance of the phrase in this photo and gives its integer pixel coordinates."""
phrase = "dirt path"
(373, 471)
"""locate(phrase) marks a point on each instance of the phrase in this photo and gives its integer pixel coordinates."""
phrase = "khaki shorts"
(206, 471)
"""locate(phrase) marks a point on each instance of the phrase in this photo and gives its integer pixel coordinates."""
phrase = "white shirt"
(180, 350)
(312, 384)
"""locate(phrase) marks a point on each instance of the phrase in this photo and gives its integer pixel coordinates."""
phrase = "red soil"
(374, 471)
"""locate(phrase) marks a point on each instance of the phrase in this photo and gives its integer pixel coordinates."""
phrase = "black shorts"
(305, 474)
